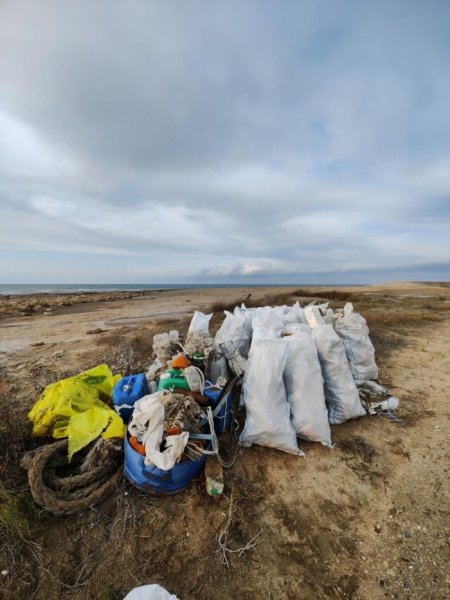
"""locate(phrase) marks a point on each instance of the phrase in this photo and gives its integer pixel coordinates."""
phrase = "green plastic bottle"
(173, 378)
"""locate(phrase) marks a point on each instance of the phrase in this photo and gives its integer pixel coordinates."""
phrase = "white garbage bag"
(199, 323)
(164, 344)
(262, 329)
(235, 360)
(304, 387)
(236, 328)
(376, 398)
(352, 329)
(318, 314)
(149, 592)
(267, 421)
(147, 425)
(269, 320)
(294, 314)
(153, 370)
(294, 328)
(198, 338)
(341, 393)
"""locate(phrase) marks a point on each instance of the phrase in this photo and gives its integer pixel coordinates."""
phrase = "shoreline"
(177, 287)
(36, 304)
(39, 303)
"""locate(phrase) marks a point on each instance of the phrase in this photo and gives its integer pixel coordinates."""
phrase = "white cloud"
(223, 141)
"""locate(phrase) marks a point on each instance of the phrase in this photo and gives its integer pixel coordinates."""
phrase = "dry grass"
(383, 312)
(18, 513)
(130, 528)
(220, 307)
(13, 513)
(337, 295)
(130, 351)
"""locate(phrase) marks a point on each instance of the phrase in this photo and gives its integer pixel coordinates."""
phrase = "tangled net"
(63, 488)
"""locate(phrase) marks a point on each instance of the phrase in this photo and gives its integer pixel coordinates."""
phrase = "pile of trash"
(299, 370)
(304, 366)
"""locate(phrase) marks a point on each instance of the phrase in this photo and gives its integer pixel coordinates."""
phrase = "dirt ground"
(368, 519)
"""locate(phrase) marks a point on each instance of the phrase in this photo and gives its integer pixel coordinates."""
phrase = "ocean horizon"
(20, 289)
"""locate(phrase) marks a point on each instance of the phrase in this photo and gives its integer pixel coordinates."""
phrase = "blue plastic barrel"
(224, 416)
(126, 392)
(154, 480)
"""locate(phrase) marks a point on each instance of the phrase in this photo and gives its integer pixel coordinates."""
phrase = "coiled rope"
(63, 488)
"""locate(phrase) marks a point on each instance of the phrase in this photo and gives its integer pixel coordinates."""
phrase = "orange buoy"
(180, 362)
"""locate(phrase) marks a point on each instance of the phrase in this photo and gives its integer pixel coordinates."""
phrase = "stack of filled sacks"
(301, 371)
(283, 389)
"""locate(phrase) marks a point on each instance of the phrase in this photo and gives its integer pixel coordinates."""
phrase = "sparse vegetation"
(133, 538)
(13, 509)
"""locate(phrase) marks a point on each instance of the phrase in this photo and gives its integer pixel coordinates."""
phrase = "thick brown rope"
(62, 488)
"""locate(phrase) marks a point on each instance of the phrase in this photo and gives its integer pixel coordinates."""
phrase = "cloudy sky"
(211, 141)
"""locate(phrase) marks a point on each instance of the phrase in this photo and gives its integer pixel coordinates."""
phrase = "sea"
(19, 289)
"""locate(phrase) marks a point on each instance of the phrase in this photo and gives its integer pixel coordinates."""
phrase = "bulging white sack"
(236, 328)
(199, 323)
(352, 329)
(294, 328)
(264, 331)
(341, 393)
(294, 314)
(304, 388)
(318, 314)
(267, 421)
(198, 338)
(270, 320)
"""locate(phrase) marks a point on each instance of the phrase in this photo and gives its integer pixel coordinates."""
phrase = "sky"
(224, 142)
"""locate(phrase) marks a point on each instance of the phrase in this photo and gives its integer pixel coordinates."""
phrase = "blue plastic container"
(154, 480)
(126, 392)
(224, 416)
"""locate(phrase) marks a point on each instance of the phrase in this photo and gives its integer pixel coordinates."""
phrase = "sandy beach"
(368, 519)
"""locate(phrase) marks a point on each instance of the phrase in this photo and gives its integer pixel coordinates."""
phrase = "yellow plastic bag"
(73, 408)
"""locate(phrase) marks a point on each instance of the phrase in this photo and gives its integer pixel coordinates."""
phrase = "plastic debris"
(149, 592)
(341, 394)
(352, 329)
(72, 408)
(214, 476)
(264, 395)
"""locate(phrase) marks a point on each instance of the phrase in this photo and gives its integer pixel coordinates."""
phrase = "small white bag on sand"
(149, 592)
(352, 329)
(341, 393)
(304, 387)
(268, 416)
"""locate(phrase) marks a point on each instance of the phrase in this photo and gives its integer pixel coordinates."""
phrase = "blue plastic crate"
(126, 392)
(154, 480)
